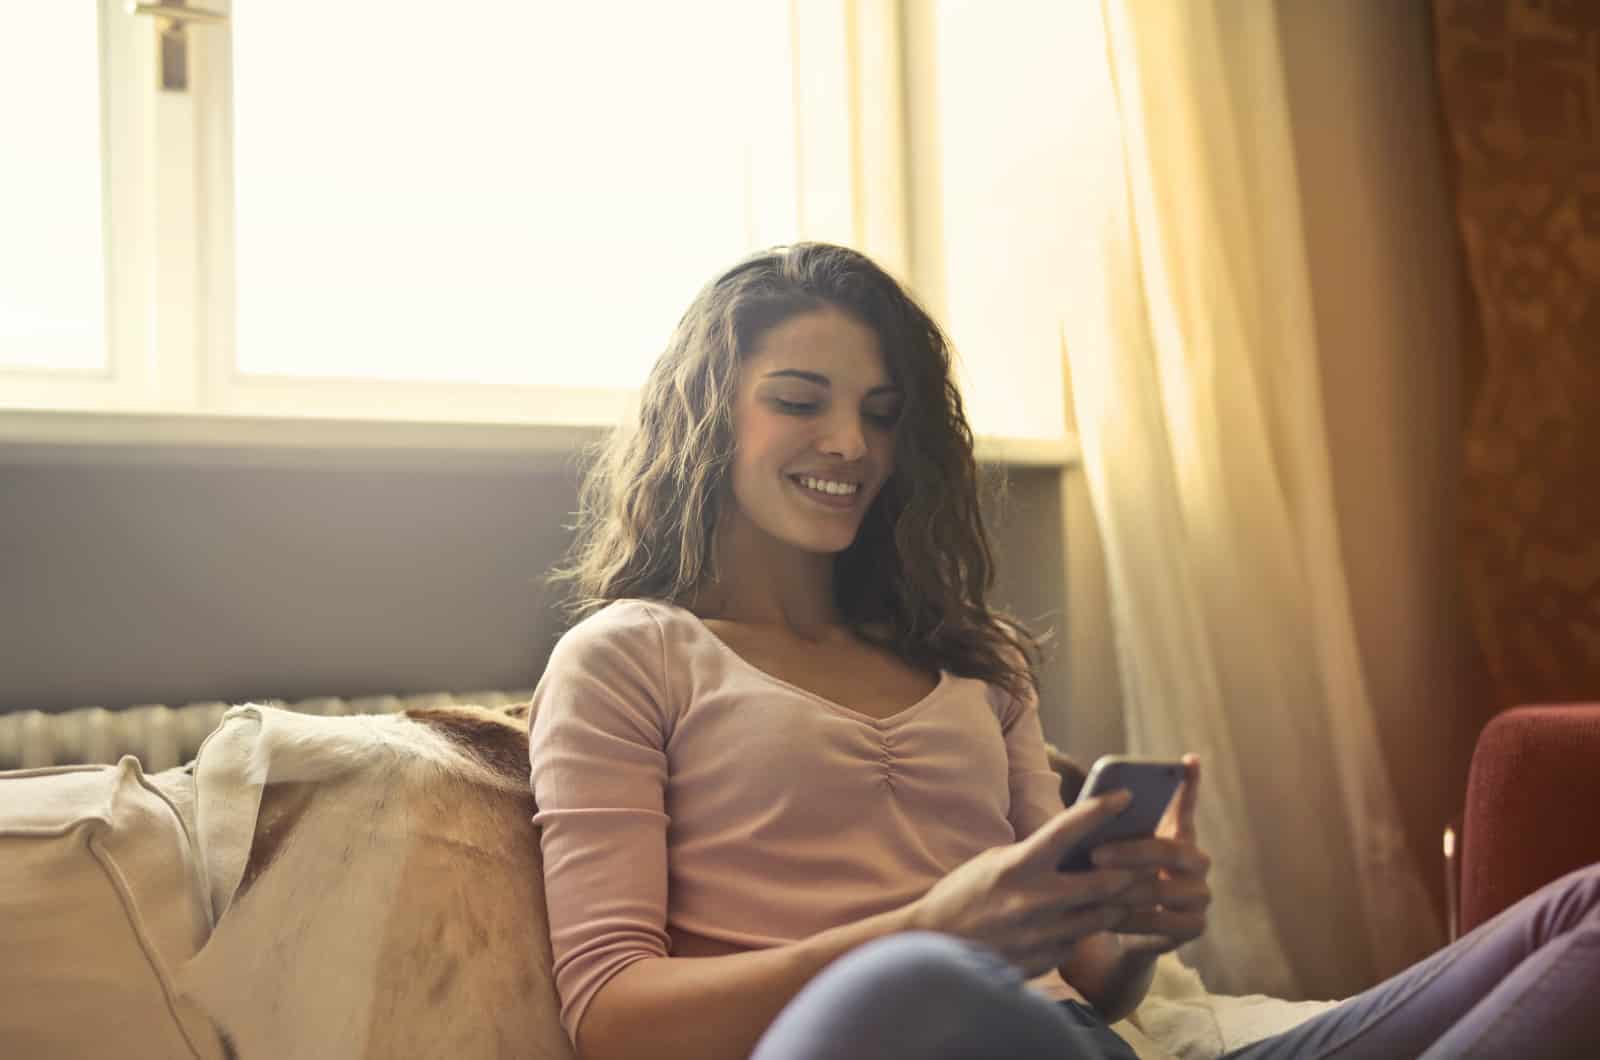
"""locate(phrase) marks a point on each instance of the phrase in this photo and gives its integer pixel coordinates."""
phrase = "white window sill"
(50, 437)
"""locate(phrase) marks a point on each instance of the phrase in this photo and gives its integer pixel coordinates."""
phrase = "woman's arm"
(710, 1008)
(1109, 976)
(1100, 968)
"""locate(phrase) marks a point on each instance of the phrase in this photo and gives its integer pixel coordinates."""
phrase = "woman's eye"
(883, 419)
(795, 408)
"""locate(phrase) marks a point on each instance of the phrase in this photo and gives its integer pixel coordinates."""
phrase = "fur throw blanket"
(377, 887)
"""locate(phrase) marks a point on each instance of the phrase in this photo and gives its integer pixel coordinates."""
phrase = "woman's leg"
(1526, 984)
(921, 995)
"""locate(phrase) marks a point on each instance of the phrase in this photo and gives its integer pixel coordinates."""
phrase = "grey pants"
(1526, 984)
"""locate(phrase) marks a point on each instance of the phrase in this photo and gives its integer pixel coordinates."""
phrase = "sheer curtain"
(1194, 367)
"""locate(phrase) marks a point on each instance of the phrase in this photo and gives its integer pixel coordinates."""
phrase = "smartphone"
(1153, 783)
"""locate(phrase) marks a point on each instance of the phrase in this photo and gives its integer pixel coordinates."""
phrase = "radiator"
(161, 737)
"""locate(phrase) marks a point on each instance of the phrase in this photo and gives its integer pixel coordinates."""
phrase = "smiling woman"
(781, 570)
(804, 418)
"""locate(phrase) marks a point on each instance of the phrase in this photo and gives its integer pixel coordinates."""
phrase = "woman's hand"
(1013, 900)
(1167, 906)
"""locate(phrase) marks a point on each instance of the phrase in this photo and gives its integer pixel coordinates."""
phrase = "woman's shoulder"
(620, 645)
(627, 623)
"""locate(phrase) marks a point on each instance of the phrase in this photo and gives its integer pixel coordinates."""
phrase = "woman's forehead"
(825, 342)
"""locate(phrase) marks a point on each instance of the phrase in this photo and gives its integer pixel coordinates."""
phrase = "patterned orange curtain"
(1520, 86)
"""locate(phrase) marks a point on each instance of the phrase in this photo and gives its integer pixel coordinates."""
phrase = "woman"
(791, 778)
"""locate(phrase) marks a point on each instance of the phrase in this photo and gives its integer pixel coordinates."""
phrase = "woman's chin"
(828, 542)
(824, 548)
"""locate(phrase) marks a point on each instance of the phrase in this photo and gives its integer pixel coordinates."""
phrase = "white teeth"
(822, 485)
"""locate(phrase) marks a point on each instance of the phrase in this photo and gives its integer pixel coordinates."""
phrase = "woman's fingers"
(1044, 849)
(1080, 923)
(1179, 925)
(1078, 890)
(1174, 893)
(1171, 854)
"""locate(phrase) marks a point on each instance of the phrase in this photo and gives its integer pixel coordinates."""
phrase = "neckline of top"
(879, 723)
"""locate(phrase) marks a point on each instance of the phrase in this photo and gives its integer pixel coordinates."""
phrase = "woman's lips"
(834, 501)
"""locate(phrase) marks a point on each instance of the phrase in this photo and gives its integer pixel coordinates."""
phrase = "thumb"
(1059, 834)
(1188, 797)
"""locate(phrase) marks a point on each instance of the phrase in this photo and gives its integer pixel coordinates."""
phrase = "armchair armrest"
(1533, 805)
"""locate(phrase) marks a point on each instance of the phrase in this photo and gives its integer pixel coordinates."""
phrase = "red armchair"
(1532, 810)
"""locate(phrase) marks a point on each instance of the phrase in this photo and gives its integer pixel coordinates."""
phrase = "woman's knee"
(920, 994)
(928, 964)
(1580, 893)
(1564, 904)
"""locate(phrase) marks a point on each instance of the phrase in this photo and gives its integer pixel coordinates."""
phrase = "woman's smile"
(832, 493)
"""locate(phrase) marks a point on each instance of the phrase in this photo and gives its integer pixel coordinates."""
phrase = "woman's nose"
(845, 439)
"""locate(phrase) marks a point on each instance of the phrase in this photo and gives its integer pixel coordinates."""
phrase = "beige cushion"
(101, 899)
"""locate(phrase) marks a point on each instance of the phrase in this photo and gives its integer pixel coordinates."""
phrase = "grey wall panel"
(170, 583)
(255, 575)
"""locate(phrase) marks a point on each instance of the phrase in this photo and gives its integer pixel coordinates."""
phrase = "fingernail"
(1119, 799)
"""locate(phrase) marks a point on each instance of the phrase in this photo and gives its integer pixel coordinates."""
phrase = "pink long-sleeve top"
(677, 784)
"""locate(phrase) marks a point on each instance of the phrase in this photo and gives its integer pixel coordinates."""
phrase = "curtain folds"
(1195, 382)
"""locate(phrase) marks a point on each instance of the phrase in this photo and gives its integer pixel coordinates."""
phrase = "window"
(372, 211)
(75, 232)
(530, 195)
(53, 269)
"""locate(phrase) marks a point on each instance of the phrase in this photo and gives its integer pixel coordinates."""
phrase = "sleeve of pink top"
(599, 768)
(1035, 787)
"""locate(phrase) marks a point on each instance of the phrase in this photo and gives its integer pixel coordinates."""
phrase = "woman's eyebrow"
(822, 380)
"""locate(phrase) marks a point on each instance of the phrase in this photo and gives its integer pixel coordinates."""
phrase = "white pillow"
(1188, 1021)
(101, 898)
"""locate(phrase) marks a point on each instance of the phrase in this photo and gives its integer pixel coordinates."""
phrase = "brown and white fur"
(391, 902)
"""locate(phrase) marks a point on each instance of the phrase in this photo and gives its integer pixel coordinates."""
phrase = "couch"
(365, 886)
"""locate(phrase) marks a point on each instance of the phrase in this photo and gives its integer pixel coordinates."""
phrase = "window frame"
(168, 156)
(127, 125)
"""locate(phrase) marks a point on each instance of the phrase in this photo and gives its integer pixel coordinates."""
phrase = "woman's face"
(814, 420)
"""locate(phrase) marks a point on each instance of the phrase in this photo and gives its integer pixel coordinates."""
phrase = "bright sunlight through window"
(516, 193)
(52, 278)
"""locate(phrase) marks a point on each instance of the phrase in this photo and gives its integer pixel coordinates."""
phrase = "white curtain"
(1195, 382)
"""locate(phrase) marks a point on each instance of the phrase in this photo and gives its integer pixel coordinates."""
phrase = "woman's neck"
(763, 582)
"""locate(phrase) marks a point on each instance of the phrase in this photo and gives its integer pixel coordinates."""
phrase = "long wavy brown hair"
(915, 579)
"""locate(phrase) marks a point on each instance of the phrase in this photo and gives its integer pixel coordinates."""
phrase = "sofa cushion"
(1183, 1017)
(101, 899)
(377, 886)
